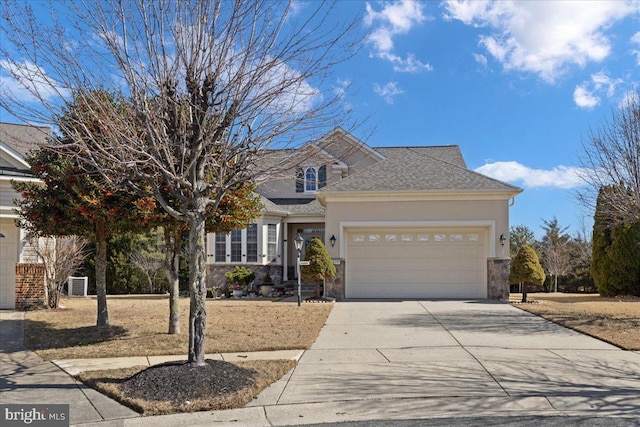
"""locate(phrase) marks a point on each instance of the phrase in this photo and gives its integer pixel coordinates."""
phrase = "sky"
(516, 85)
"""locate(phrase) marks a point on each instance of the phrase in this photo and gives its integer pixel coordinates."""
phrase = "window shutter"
(299, 180)
(322, 176)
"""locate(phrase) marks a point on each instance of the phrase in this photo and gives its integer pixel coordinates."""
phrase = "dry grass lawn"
(614, 320)
(139, 327)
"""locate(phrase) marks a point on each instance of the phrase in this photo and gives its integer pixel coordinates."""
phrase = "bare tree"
(150, 263)
(203, 87)
(612, 158)
(61, 257)
(556, 256)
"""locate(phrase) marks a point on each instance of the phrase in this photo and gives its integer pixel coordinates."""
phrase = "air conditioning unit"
(78, 286)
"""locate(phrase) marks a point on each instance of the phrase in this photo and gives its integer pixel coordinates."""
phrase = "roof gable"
(345, 147)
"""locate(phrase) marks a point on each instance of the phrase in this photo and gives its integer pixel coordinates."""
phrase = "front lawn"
(614, 320)
(139, 327)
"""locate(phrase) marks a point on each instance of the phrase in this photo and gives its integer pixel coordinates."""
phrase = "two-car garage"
(426, 262)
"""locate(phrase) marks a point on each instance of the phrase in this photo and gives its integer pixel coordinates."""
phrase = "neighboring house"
(399, 222)
(15, 141)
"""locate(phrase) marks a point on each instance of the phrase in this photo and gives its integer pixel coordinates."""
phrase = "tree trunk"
(172, 266)
(101, 273)
(524, 292)
(197, 290)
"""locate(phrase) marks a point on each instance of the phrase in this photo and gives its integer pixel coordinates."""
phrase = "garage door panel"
(416, 263)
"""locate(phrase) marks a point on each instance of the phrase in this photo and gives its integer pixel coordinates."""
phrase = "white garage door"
(416, 263)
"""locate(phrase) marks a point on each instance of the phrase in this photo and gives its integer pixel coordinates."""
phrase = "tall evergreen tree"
(615, 265)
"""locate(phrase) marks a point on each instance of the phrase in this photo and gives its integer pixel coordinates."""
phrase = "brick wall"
(29, 286)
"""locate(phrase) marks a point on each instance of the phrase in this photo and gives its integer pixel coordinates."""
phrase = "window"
(236, 246)
(252, 243)
(310, 179)
(272, 242)
(221, 247)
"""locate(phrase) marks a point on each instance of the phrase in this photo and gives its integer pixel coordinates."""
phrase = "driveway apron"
(467, 350)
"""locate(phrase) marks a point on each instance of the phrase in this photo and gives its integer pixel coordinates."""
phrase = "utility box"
(78, 286)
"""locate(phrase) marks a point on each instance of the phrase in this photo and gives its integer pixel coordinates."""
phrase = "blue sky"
(516, 85)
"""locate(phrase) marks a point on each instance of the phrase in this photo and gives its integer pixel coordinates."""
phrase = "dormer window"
(310, 179)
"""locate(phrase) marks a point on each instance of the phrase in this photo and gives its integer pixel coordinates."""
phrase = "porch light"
(502, 239)
(333, 240)
(299, 241)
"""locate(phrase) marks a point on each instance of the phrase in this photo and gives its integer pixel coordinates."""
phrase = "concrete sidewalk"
(401, 360)
(25, 378)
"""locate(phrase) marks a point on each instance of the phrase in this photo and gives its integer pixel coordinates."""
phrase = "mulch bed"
(180, 382)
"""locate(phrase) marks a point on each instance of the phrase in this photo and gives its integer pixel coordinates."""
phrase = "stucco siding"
(491, 213)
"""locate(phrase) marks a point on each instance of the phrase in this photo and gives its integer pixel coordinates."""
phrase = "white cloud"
(586, 94)
(340, 91)
(481, 59)
(636, 40)
(395, 18)
(564, 177)
(28, 82)
(542, 37)
(388, 91)
(584, 98)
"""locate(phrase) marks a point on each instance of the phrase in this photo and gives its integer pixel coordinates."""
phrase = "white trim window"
(220, 247)
(252, 243)
(272, 242)
(256, 244)
(310, 180)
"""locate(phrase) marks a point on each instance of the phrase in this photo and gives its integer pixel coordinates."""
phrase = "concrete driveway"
(411, 359)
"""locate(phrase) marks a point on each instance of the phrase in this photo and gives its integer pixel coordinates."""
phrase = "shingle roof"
(299, 206)
(419, 169)
(269, 206)
(23, 138)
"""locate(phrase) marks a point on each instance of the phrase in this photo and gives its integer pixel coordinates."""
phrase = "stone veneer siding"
(498, 278)
(215, 273)
(335, 287)
(30, 286)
